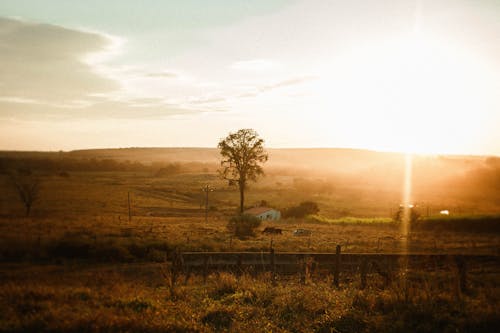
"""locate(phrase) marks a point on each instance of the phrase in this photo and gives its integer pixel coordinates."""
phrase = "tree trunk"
(28, 208)
(242, 196)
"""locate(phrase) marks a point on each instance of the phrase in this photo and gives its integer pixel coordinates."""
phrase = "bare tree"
(28, 188)
(242, 155)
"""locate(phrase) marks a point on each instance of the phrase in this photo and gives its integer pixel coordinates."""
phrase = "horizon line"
(272, 148)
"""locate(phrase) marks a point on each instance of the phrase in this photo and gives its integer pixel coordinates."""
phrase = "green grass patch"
(349, 220)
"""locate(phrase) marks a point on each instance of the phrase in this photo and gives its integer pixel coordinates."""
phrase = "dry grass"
(79, 264)
(149, 238)
(125, 298)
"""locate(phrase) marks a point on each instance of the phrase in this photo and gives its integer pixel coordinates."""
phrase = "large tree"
(242, 155)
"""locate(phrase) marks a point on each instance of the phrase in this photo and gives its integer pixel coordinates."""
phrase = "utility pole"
(207, 188)
(129, 211)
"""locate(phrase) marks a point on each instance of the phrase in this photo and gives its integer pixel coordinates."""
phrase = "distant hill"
(277, 157)
(148, 155)
(319, 159)
(322, 160)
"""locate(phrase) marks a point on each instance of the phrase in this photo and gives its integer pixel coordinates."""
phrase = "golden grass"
(135, 297)
(102, 272)
(149, 238)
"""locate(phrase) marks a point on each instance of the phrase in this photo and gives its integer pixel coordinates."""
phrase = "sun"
(413, 93)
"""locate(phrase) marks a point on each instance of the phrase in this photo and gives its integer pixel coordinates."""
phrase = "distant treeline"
(475, 224)
(484, 178)
(67, 164)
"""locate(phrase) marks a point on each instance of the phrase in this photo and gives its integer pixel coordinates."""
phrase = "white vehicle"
(302, 232)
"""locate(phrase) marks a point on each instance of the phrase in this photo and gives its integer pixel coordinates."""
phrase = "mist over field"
(339, 177)
(323, 166)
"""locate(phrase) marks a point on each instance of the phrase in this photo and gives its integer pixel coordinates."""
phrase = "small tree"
(244, 225)
(242, 155)
(28, 189)
(303, 209)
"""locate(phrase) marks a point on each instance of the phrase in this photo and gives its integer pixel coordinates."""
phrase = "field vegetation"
(82, 261)
(117, 298)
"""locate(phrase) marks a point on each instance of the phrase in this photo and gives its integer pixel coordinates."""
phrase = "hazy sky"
(379, 74)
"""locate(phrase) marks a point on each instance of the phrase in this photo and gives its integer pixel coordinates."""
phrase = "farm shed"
(264, 213)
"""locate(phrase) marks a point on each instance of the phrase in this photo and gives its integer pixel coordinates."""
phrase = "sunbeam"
(407, 205)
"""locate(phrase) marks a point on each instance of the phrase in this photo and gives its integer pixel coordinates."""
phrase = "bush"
(170, 169)
(110, 251)
(243, 225)
(225, 284)
(70, 248)
(414, 214)
(303, 209)
(219, 319)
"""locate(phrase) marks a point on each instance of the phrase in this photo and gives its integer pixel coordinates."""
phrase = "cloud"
(46, 63)
(55, 73)
(98, 109)
(207, 100)
(256, 65)
(286, 83)
(166, 75)
(280, 84)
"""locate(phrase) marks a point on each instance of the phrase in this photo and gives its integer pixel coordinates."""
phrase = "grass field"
(78, 263)
(126, 298)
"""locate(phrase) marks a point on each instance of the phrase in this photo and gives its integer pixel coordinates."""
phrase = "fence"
(336, 264)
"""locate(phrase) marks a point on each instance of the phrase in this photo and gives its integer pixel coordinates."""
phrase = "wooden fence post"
(462, 273)
(363, 270)
(129, 210)
(173, 270)
(302, 270)
(308, 264)
(239, 265)
(177, 267)
(389, 276)
(187, 275)
(273, 264)
(336, 272)
(205, 268)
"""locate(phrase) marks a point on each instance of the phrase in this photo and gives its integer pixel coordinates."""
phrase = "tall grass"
(132, 299)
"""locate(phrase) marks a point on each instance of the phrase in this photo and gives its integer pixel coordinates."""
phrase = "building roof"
(257, 210)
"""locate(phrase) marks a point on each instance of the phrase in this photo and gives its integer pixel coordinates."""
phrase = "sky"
(391, 75)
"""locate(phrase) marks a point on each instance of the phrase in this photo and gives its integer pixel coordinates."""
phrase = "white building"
(264, 213)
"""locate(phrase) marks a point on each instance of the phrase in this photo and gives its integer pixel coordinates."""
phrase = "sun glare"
(413, 94)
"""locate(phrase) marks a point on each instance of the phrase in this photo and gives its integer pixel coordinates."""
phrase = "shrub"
(110, 251)
(243, 225)
(136, 304)
(414, 215)
(63, 174)
(303, 209)
(218, 319)
(70, 248)
(156, 255)
(170, 169)
(225, 284)
(12, 250)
